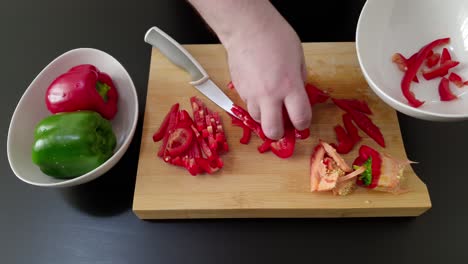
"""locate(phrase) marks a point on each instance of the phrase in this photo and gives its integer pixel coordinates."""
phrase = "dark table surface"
(94, 223)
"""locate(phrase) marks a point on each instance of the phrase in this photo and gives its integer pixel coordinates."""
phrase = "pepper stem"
(102, 90)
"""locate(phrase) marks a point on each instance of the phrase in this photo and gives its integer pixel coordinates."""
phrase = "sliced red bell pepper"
(366, 152)
(441, 70)
(432, 60)
(284, 147)
(206, 165)
(456, 79)
(400, 61)
(351, 128)
(246, 135)
(245, 117)
(316, 95)
(366, 124)
(302, 134)
(171, 126)
(445, 93)
(265, 146)
(414, 68)
(179, 141)
(445, 56)
(345, 143)
(346, 104)
(403, 63)
(159, 134)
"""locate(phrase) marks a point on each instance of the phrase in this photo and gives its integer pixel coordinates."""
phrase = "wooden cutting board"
(262, 185)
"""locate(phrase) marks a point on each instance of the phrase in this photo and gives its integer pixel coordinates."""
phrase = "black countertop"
(94, 223)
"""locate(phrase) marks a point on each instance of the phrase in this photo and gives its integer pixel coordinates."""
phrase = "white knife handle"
(176, 54)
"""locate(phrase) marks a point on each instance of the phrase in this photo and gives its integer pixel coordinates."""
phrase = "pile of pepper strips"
(197, 144)
(438, 65)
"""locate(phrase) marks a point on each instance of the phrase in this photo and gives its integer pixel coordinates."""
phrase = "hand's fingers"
(272, 118)
(254, 110)
(299, 110)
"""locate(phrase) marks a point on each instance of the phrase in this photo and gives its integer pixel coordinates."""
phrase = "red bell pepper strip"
(246, 135)
(366, 124)
(265, 146)
(350, 128)
(83, 87)
(206, 165)
(445, 93)
(284, 147)
(403, 63)
(302, 134)
(456, 79)
(159, 134)
(432, 60)
(366, 153)
(445, 56)
(171, 126)
(316, 95)
(248, 121)
(345, 143)
(413, 70)
(346, 104)
(441, 70)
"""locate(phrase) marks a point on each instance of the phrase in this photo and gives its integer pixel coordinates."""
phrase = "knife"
(182, 58)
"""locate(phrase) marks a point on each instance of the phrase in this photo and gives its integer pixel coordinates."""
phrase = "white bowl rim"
(404, 106)
(119, 152)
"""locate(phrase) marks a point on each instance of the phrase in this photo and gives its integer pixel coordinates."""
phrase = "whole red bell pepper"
(83, 87)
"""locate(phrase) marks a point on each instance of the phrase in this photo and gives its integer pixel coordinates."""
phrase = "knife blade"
(183, 59)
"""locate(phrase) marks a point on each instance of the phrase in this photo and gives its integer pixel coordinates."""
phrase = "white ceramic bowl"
(389, 26)
(32, 108)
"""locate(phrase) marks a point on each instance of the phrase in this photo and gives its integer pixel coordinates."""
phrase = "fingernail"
(274, 134)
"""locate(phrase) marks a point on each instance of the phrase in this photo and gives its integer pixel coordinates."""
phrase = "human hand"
(267, 68)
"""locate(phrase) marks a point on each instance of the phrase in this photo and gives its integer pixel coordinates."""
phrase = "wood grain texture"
(262, 185)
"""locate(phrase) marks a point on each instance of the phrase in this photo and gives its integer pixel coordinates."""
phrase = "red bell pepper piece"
(352, 130)
(404, 63)
(441, 70)
(366, 152)
(432, 60)
(246, 135)
(265, 146)
(445, 93)
(346, 104)
(284, 147)
(179, 141)
(456, 79)
(302, 134)
(345, 143)
(170, 127)
(159, 134)
(366, 124)
(248, 121)
(316, 95)
(83, 87)
(413, 70)
(445, 56)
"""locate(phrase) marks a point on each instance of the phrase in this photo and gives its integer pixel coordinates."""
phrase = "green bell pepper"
(67, 145)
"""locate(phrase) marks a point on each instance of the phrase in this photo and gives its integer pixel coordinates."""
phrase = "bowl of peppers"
(75, 120)
(413, 56)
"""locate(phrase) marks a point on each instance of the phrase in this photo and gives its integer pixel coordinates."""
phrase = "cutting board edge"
(280, 213)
